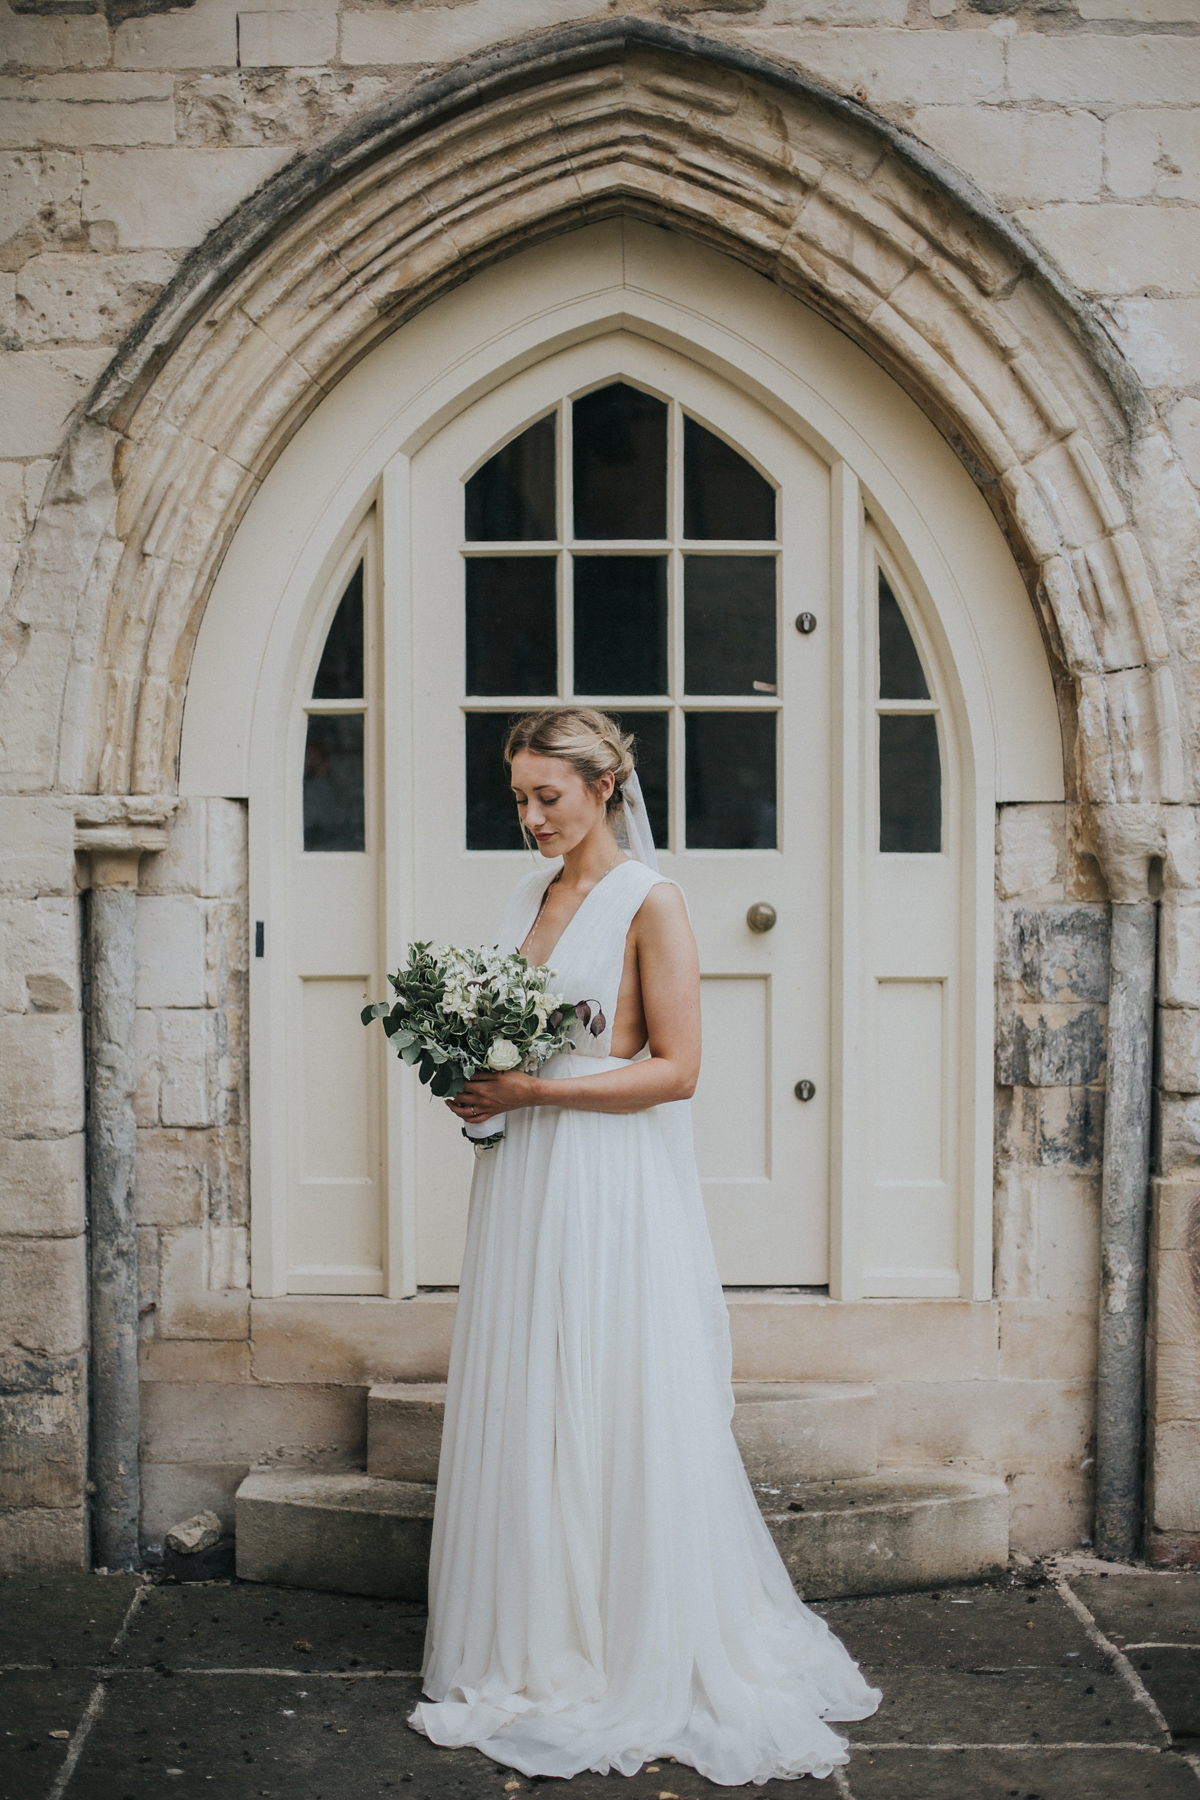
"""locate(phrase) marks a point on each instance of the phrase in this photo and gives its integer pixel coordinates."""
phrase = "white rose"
(503, 1055)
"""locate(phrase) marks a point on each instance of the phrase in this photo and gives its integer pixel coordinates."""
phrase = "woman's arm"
(669, 975)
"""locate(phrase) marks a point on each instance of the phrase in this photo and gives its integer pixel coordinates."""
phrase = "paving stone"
(31, 1707)
(964, 1629)
(1173, 1678)
(992, 1704)
(62, 1619)
(1029, 1774)
(1138, 1609)
(258, 1627)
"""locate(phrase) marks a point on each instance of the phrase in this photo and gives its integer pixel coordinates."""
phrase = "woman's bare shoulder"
(663, 913)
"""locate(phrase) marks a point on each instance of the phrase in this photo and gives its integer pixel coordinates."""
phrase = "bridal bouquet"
(459, 1011)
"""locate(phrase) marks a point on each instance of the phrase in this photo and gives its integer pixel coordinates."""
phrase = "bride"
(602, 1588)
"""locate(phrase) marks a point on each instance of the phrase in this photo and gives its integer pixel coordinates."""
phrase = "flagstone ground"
(1053, 1684)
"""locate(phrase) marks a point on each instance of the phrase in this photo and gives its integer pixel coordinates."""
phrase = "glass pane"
(340, 672)
(650, 747)
(729, 624)
(512, 625)
(620, 464)
(511, 498)
(334, 811)
(620, 624)
(901, 676)
(730, 779)
(723, 497)
(492, 822)
(910, 783)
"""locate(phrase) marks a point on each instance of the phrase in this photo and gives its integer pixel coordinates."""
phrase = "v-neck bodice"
(589, 956)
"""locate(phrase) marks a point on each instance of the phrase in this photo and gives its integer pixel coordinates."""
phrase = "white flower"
(503, 1055)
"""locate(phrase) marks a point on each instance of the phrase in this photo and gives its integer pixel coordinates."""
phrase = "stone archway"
(805, 187)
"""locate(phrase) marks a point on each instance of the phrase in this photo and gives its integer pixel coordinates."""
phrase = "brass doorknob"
(761, 916)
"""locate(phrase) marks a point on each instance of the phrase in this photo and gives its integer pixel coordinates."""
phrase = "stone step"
(786, 1430)
(356, 1534)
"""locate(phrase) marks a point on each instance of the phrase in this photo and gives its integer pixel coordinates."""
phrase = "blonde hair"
(590, 741)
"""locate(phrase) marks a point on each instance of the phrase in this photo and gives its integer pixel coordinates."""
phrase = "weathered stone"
(1036, 156)
(1177, 1476)
(280, 106)
(170, 199)
(203, 38)
(1068, 1235)
(63, 42)
(359, 1341)
(1185, 430)
(93, 297)
(225, 1422)
(1014, 1232)
(1070, 1127)
(188, 1306)
(1161, 338)
(42, 389)
(1179, 1050)
(42, 1414)
(956, 69)
(1106, 249)
(440, 34)
(42, 1186)
(170, 951)
(38, 834)
(347, 1534)
(1058, 953)
(205, 853)
(268, 39)
(43, 1302)
(187, 1067)
(193, 1360)
(1119, 70)
(1044, 1340)
(170, 1490)
(41, 1537)
(41, 1075)
(795, 1431)
(199, 1532)
(1030, 846)
(39, 955)
(1153, 153)
(1179, 952)
(71, 124)
(1050, 1046)
(176, 1171)
(784, 1337)
(1179, 1128)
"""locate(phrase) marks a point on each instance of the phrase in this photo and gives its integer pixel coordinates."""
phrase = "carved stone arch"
(628, 117)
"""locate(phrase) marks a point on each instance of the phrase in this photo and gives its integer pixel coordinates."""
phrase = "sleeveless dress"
(603, 1590)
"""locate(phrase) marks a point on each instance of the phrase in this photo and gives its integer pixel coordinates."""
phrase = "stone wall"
(124, 139)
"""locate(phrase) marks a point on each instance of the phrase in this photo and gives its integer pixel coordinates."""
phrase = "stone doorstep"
(357, 1534)
(787, 1431)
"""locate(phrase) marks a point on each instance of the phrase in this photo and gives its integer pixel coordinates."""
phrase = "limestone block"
(438, 34)
(281, 39)
(170, 199)
(1031, 851)
(170, 951)
(1044, 1340)
(210, 1422)
(282, 106)
(1068, 1238)
(97, 87)
(1118, 249)
(1148, 12)
(1050, 1045)
(87, 297)
(1018, 157)
(43, 1294)
(42, 1186)
(42, 1416)
(205, 853)
(226, 955)
(52, 43)
(187, 1067)
(1002, 1425)
(1161, 338)
(924, 68)
(1180, 1136)
(1179, 953)
(1129, 71)
(404, 1429)
(204, 37)
(175, 1172)
(193, 1360)
(1014, 1232)
(149, 1081)
(40, 1537)
(1177, 1476)
(42, 388)
(38, 835)
(189, 1306)
(1179, 1050)
(31, 123)
(148, 1269)
(1176, 1382)
(1057, 953)
(1185, 431)
(173, 1491)
(318, 1338)
(1176, 1214)
(39, 203)
(347, 1533)
(1153, 152)
(1070, 1127)
(228, 1256)
(809, 1338)
(1050, 1508)
(41, 1075)
(39, 955)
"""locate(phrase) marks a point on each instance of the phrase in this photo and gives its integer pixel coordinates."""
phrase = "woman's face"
(555, 804)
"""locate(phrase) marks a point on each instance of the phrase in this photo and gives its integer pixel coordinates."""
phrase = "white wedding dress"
(602, 1588)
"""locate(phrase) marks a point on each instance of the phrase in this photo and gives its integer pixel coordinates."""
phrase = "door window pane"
(910, 783)
(723, 496)
(512, 625)
(511, 498)
(620, 624)
(730, 781)
(340, 671)
(651, 734)
(619, 459)
(901, 676)
(334, 810)
(492, 822)
(729, 624)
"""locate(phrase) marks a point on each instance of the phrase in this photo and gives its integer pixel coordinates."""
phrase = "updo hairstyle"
(590, 741)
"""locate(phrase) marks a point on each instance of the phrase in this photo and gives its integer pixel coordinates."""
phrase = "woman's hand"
(486, 1095)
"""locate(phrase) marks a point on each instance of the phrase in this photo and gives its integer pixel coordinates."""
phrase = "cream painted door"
(620, 526)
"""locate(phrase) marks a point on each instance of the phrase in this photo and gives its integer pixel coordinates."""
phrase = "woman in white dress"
(602, 1587)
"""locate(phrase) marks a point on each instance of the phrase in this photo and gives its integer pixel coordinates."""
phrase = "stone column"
(114, 847)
